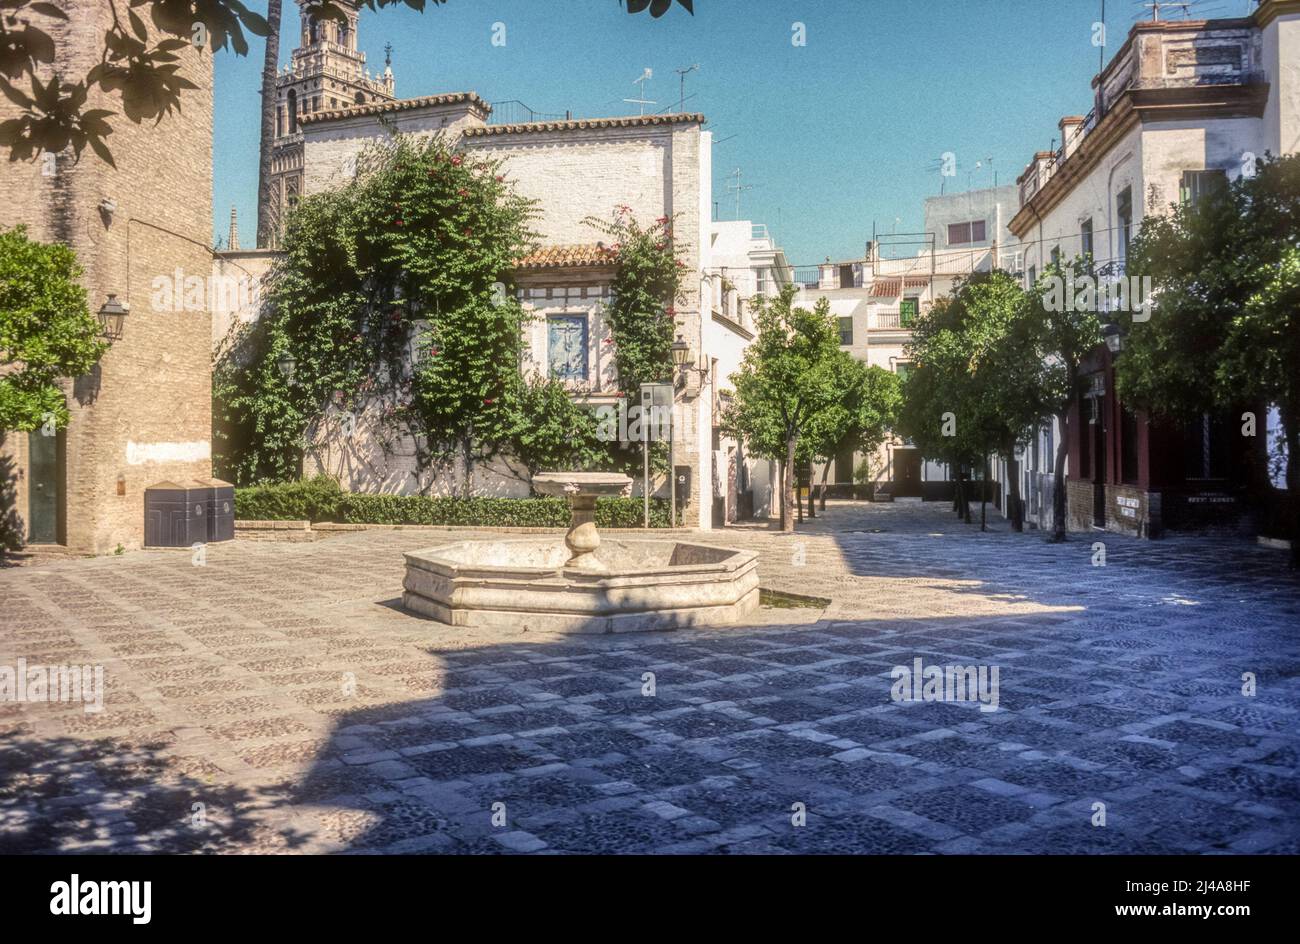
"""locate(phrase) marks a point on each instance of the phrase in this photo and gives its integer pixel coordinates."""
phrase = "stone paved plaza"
(276, 699)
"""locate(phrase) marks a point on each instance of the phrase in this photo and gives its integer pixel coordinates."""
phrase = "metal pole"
(672, 482)
(645, 487)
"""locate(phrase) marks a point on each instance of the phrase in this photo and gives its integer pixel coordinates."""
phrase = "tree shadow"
(713, 739)
(12, 526)
(64, 794)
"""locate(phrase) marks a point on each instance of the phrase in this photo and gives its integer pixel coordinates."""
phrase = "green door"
(907, 309)
(45, 492)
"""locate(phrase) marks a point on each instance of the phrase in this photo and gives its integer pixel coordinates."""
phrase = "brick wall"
(144, 414)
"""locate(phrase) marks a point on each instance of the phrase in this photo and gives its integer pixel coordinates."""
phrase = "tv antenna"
(937, 166)
(646, 76)
(738, 188)
(1156, 5)
(681, 75)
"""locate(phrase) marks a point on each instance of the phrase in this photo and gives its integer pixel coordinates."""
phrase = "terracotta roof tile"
(572, 256)
(886, 288)
(578, 124)
(401, 104)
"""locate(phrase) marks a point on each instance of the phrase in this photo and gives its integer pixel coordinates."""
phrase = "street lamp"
(1113, 336)
(288, 364)
(112, 319)
(681, 352)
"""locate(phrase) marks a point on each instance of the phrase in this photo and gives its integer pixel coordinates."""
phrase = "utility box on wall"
(175, 515)
(200, 512)
(220, 508)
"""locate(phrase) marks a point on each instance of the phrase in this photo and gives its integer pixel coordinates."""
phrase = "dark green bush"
(314, 499)
(494, 512)
(319, 499)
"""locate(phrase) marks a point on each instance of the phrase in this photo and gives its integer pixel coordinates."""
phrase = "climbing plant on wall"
(642, 312)
(393, 295)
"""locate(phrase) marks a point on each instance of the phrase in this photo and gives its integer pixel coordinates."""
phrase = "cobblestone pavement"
(276, 699)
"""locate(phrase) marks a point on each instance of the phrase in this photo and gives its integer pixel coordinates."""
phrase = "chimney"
(1071, 134)
(233, 241)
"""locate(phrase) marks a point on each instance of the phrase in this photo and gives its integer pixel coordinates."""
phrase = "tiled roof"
(573, 256)
(401, 104)
(886, 288)
(916, 281)
(578, 124)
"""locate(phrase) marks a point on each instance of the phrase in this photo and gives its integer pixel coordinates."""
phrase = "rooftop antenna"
(739, 188)
(681, 75)
(1101, 50)
(1156, 6)
(646, 76)
(937, 166)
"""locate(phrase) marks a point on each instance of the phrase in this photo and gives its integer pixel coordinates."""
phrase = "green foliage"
(547, 431)
(413, 253)
(314, 499)
(641, 314)
(1225, 324)
(861, 418)
(46, 330)
(494, 512)
(982, 376)
(790, 377)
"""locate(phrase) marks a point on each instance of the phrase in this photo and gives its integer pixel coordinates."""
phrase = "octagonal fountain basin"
(527, 584)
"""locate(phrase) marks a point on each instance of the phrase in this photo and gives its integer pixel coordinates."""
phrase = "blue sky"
(832, 135)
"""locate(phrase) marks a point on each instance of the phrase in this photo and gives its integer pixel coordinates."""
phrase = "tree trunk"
(984, 496)
(787, 484)
(966, 496)
(957, 494)
(1017, 508)
(1058, 481)
(267, 217)
(1291, 434)
(812, 497)
(778, 489)
(826, 470)
(467, 448)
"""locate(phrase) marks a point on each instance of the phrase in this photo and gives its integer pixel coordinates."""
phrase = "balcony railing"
(807, 276)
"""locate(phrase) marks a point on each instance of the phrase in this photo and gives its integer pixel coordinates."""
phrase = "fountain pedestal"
(582, 489)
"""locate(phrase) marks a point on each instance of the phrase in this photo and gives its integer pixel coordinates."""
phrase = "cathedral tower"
(326, 72)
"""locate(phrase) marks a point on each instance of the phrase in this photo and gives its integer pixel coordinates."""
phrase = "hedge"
(314, 499)
(494, 512)
(320, 499)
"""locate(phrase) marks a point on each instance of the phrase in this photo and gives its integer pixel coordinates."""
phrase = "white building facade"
(1182, 106)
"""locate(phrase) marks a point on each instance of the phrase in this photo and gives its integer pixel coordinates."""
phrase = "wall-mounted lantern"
(288, 366)
(1112, 334)
(112, 319)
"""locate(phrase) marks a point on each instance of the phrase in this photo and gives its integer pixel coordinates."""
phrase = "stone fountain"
(581, 584)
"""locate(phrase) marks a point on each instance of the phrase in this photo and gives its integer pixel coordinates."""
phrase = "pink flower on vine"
(457, 161)
(464, 192)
